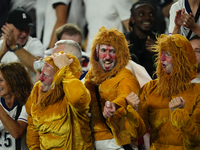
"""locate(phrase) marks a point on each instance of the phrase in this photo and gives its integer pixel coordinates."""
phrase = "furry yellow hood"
(117, 40)
(56, 92)
(184, 64)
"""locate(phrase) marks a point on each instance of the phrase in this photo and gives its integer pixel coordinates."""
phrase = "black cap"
(19, 18)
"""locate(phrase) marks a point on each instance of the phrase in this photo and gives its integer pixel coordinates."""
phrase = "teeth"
(107, 62)
(146, 23)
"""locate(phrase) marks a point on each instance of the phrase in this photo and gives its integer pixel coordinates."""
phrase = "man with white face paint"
(107, 57)
(171, 103)
(109, 82)
(58, 107)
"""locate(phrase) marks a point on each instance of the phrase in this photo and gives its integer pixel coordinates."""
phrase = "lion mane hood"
(117, 40)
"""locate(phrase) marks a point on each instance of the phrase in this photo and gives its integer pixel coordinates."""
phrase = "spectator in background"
(16, 44)
(160, 25)
(184, 18)
(195, 42)
(29, 6)
(67, 32)
(50, 15)
(55, 14)
(16, 86)
(108, 13)
(141, 37)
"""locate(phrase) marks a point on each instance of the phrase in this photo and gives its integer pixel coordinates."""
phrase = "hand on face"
(8, 35)
(61, 60)
(109, 109)
(177, 102)
(133, 100)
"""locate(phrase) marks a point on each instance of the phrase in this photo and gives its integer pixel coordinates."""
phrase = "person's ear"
(132, 20)
(97, 53)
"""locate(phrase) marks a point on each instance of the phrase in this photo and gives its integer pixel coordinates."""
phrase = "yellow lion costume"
(114, 86)
(58, 119)
(179, 129)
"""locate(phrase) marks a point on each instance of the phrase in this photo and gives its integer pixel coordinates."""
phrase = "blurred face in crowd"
(196, 46)
(4, 87)
(76, 37)
(166, 61)
(143, 17)
(107, 57)
(46, 77)
(21, 36)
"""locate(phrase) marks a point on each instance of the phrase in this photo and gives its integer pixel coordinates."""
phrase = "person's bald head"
(68, 46)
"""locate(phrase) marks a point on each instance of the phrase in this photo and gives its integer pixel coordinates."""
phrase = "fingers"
(183, 10)
(108, 104)
(109, 109)
(133, 100)
(6, 29)
(177, 102)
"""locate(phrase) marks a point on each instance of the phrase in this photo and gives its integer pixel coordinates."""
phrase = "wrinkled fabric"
(63, 125)
(114, 89)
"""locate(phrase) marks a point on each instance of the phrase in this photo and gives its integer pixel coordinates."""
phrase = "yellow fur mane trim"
(117, 40)
(184, 64)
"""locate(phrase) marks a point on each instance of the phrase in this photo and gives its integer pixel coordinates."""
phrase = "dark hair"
(195, 37)
(18, 79)
(69, 29)
(134, 6)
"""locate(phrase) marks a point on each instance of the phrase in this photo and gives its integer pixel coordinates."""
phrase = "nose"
(25, 31)
(147, 17)
(107, 55)
(40, 77)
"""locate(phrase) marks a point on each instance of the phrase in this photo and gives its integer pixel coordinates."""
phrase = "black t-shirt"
(139, 53)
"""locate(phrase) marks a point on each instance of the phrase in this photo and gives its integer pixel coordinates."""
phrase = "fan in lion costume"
(171, 103)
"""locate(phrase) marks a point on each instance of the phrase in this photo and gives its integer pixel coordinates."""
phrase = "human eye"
(141, 14)
(45, 75)
(168, 54)
(151, 15)
(197, 51)
(102, 50)
(112, 51)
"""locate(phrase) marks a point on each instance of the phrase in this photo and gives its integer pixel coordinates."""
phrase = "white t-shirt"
(27, 5)
(107, 13)
(180, 4)
(46, 18)
(7, 142)
(33, 46)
